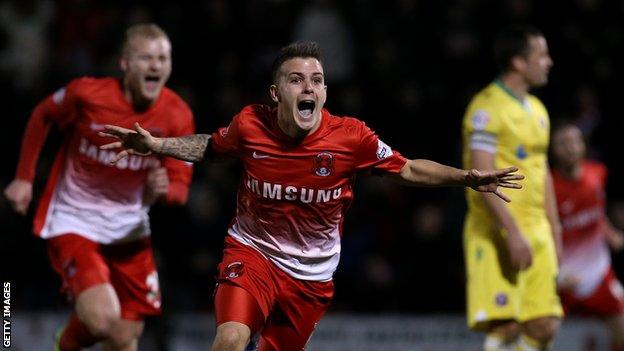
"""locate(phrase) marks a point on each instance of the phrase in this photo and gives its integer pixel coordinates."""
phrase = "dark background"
(407, 68)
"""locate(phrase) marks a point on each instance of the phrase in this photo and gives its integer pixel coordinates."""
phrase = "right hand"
(519, 250)
(156, 185)
(135, 142)
(568, 282)
(19, 194)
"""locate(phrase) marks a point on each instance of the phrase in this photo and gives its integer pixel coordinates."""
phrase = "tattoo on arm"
(188, 148)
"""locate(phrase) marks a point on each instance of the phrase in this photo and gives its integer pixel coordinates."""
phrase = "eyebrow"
(301, 74)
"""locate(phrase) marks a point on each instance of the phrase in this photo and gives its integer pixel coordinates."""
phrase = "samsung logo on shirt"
(132, 162)
(292, 193)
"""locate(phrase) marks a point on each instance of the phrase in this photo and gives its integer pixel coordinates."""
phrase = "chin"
(307, 125)
(151, 95)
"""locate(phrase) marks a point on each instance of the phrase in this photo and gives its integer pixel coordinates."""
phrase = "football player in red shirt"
(94, 214)
(300, 162)
(587, 282)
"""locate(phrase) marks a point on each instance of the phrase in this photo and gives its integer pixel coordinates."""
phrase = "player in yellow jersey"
(511, 249)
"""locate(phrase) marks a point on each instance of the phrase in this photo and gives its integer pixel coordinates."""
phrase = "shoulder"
(345, 124)
(93, 83)
(595, 168)
(485, 112)
(176, 103)
(85, 86)
(254, 114)
(490, 95)
(536, 102)
(255, 111)
(485, 104)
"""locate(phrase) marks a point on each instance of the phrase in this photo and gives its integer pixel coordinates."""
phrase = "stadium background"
(406, 67)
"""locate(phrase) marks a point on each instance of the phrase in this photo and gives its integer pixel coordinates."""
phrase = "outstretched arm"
(429, 173)
(140, 142)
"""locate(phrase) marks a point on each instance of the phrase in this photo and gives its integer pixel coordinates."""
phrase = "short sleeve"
(64, 102)
(374, 154)
(482, 128)
(226, 140)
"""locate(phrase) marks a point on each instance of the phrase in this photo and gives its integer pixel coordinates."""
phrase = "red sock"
(76, 335)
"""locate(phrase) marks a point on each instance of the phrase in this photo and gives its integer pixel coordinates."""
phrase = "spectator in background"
(25, 24)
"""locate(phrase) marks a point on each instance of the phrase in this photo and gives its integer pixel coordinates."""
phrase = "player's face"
(300, 93)
(146, 66)
(568, 146)
(538, 63)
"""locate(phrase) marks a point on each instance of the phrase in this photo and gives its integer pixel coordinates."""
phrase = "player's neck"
(138, 102)
(515, 84)
(290, 128)
(573, 171)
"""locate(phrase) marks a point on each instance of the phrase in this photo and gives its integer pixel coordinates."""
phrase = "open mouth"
(152, 82)
(306, 107)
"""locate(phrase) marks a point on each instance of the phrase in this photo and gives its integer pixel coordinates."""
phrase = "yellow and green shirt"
(517, 133)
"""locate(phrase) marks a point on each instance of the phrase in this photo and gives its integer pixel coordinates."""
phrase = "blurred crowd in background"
(406, 67)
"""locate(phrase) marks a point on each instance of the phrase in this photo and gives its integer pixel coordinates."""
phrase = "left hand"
(615, 237)
(490, 181)
(156, 185)
(134, 142)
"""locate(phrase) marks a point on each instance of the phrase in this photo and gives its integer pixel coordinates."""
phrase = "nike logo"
(97, 127)
(257, 155)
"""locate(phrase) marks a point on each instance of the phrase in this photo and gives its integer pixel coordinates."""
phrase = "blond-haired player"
(94, 215)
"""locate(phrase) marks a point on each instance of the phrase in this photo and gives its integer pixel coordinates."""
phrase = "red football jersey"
(581, 205)
(85, 194)
(293, 196)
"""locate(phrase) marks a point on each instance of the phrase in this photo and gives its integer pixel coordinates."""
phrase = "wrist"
(465, 176)
(159, 145)
(23, 181)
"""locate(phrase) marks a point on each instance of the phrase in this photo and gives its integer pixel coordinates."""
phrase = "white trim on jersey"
(315, 265)
(72, 209)
(483, 141)
(589, 262)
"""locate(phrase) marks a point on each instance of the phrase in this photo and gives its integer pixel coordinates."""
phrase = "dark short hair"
(307, 49)
(560, 124)
(513, 41)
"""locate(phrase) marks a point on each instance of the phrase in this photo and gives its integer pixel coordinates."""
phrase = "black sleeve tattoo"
(188, 148)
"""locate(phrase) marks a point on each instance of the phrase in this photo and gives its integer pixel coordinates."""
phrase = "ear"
(518, 63)
(123, 63)
(274, 92)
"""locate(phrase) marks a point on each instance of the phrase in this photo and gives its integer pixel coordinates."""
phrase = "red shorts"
(607, 300)
(253, 291)
(128, 267)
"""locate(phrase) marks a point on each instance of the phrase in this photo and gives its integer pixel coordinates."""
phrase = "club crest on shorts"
(69, 266)
(233, 270)
(323, 164)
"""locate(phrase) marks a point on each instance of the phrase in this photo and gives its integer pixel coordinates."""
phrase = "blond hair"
(143, 30)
